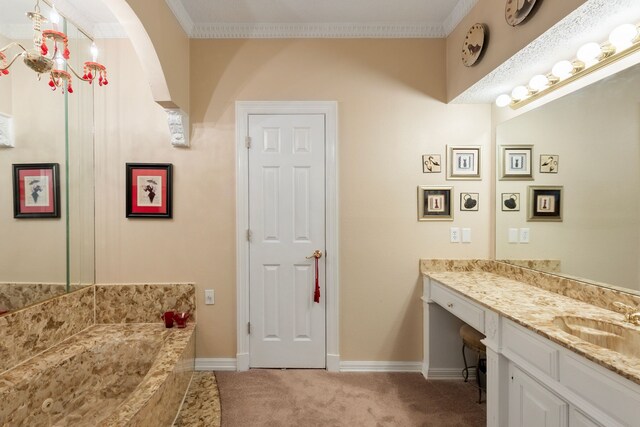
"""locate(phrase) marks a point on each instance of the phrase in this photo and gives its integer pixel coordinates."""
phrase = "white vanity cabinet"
(532, 405)
(531, 381)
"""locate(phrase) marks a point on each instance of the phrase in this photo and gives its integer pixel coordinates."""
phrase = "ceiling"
(266, 18)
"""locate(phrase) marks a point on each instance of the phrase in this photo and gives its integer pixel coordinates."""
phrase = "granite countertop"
(535, 309)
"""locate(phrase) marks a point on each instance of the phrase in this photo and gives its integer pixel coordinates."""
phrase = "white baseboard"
(364, 366)
(204, 364)
(333, 362)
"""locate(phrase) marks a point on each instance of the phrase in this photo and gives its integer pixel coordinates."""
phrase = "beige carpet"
(319, 398)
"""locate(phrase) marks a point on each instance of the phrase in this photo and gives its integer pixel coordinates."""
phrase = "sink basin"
(605, 334)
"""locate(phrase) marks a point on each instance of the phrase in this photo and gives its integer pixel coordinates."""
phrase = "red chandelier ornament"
(50, 54)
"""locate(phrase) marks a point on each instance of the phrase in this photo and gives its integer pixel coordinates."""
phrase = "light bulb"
(589, 53)
(562, 69)
(539, 82)
(519, 93)
(59, 61)
(54, 16)
(503, 100)
(94, 51)
(623, 36)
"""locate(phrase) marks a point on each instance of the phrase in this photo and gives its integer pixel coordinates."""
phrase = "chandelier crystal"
(50, 54)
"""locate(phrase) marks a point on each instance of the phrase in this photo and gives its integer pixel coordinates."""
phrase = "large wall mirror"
(44, 257)
(596, 134)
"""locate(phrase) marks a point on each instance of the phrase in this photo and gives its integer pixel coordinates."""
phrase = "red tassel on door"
(316, 293)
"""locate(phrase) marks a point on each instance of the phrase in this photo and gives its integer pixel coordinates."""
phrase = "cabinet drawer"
(461, 308)
(530, 348)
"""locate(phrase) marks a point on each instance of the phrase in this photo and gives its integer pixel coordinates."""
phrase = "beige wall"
(504, 40)
(390, 95)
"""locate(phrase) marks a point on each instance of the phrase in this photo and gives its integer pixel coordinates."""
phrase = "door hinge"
(247, 141)
(248, 235)
(249, 328)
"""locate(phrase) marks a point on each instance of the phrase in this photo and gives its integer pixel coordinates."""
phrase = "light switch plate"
(466, 235)
(455, 234)
(524, 235)
(513, 235)
(209, 297)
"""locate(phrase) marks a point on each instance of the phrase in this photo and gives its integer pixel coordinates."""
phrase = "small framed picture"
(463, 162)
(36, 190)
(469, 201)
(435, 203)
(510, 202)
(515, 162)
(545, 203)
(549, 163)
(431, 163)
(149, 190)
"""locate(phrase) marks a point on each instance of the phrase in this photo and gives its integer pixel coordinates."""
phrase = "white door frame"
(330, 111)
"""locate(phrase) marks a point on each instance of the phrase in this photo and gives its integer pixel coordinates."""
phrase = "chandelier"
(50, 54)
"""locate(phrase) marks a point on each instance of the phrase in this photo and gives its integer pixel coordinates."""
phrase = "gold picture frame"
(516, 162)
(545, 203)
(463, 162)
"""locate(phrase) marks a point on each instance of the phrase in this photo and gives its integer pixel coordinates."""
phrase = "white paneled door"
(287, 224)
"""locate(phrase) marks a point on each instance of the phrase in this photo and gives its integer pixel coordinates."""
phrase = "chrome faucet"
(631, 315)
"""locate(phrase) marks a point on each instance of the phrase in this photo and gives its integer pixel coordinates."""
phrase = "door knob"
(316, 254)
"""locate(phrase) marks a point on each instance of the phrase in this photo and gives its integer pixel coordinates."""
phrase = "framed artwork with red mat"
(36, 190)
(149, 190)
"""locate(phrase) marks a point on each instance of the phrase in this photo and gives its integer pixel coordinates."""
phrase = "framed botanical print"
(149, 190)
(435, 203)
(515, 162)
(545, 203)
(463, 162)
(36, 190)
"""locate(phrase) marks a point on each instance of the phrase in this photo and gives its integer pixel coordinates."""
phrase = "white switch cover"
(513, 235)
(209, 296)
(455, 235)
(466, 235)
(524, 235)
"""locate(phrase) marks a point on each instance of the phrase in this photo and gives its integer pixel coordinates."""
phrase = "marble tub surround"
(582, 291)
(29, 331)
(536, 308)
(156, 400)
(106, 375)
(14, 296)
(143, 303)
(201, 406)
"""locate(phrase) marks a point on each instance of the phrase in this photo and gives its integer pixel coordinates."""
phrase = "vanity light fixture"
(623, 41)
(50, 54)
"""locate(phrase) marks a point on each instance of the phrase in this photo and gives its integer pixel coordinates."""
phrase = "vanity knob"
(450, 305)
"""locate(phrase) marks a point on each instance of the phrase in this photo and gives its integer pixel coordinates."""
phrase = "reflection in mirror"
(596, 136)
(48, 127)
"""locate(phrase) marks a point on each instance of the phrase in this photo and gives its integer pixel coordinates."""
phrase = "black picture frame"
(36, 190)
(149, 190)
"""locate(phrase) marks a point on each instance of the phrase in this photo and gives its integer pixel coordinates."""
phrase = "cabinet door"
(532, 405)
(578, 419)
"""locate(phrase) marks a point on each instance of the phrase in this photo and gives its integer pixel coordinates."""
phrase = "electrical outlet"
(209, 297)
(455, 234)
(513, 235)
(524, 235)
(466, 235)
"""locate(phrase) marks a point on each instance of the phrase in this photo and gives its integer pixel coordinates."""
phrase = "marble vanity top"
(535, 308)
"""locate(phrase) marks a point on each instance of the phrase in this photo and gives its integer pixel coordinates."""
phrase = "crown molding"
(181, 15)
(316, 30)
(462, 9)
